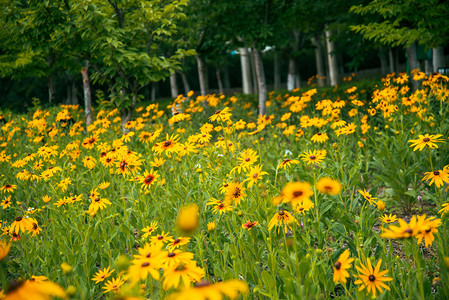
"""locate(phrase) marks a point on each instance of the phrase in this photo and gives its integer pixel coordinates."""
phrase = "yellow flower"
(34, 289)
(437, 176)
(340, 266)
(188, 218)
(328, 186)
(204, 291)
(380, 205)
(66, 268)
(426, 140)
(296, 192)
(388, 218)
(372, 279)
(210, 226)
(104, 185)
(46, 199)
(4, 249)
(282, 217)
(102, 275)
(367, 196)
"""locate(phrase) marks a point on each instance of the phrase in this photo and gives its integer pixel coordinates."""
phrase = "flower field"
(335, 193)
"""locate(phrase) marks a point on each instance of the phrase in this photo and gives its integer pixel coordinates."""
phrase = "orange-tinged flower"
(340, 267)
(282, 217)
(372, 279)
(426, 140)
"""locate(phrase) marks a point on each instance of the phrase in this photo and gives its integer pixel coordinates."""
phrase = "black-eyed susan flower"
(113, 285)
(34, 289)
(99, 203)
(168, 146)
(148, 179)
(328, 186)
(429, 227)
(296, 192)
(8, 188)
(320, 137)
(388, 218)
(287, 162)
(372, 279)
(174, 257)
(182, 274)
(438, 176)
(149, 230)
(162, 238)
(178, 242)
(314, 156)
(104, 185)
(254, 175)
(426, 140)
(34, 228)
(188, 218)
(235, 192)
(282, 217)
(367, 196)
(89, 162)
(204, 290)
(6, 202)
(101, 275)
(340, 267)
(20, 224)
(4, 249)
(219, 206)
(404, 230)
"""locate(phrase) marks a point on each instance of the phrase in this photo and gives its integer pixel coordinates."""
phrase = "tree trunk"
(291, 74)
(153, 91)
(438, 58)
(69, 89)
(396, 59)
(383, 61)
(173, 86)
(413, 63)
(391, 59)
(262, 87)
(428, 67)
(226, 80)
(246, 71)
(202, 74)
(74, 93)
(219, 81)
(277, 71)
(51, 88)
(332, 58)
(185, 82)
(254, 72)
(87, 94)
(319, 59)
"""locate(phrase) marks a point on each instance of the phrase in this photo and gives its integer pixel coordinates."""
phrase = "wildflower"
(148, 179)
(220, 206)
(161, 238)
(149, 229)
(34, 289)
(296, 192)
(320, 137)
(445, 208)
(6, 202)
(157, 162)
(204, 290)
(104, 185)
(437, 176)
(114, 285)
(426, 140)
(248, 157)
(287, 162)
(210, 226)
(4, 249)
(170, 145)
(188, 218)
(405, 230)
(380, 205)
(180, 241)
(429, 228)
(367, 196)
(372, 279)
(182, 274)
(170, 258)
(254, 174)
(248, 225)
(313, 157)
(89, 162)
(102, 275)
(34, 229)
(328, 186)
(20, 224)
(282, 217)
(8, 188)
(235, 192)
(388, 218)
(340, 266)
(99, 203)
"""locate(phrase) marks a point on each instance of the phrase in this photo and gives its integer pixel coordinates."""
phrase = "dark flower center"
(171, 254)
(18, 219)
(371, 278)
(297, 193)
(237, 193)
(319, 133)
(97, 199)
(221, 205)
(312, 157)
(149, 179)
(161, 237)
(426, 140)
(167, 143)
(408, 230)
(247, 159)
(145, 264)
(281, 213)
(436, 173)
(177, 241)
(148, 255)
(180, 267)
(337, 265)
